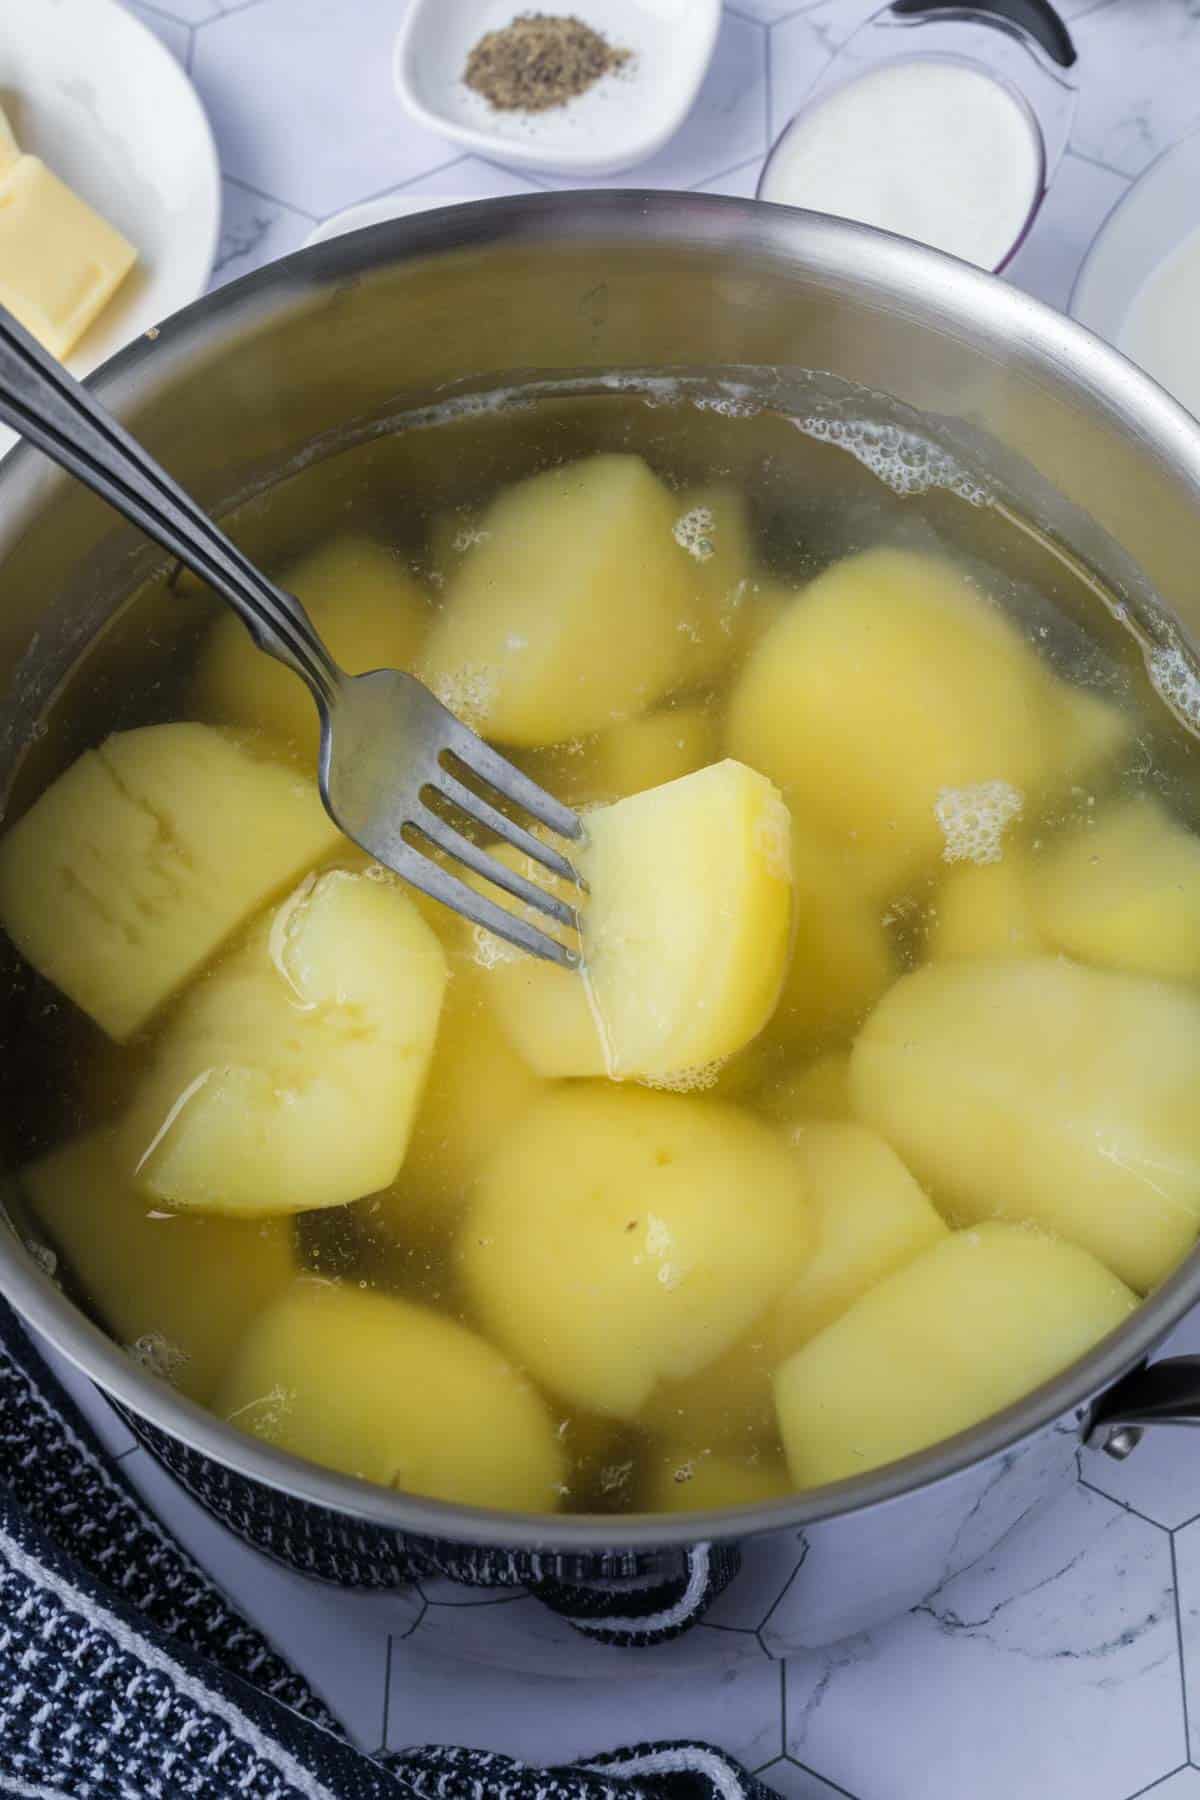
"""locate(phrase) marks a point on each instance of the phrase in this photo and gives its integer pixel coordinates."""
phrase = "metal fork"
(388, 746)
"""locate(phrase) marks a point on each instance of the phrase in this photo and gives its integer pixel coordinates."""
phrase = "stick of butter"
(60, 262)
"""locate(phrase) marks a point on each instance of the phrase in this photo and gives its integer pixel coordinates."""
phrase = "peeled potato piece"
(368, 608)
(477, 1087)
(390, 1392)
(686, 927)
(177, 1288)
(1124, 892)
(888, 680)
(628, 758)
(841, 959)
(677, 1479)
(543, 1010)
(291, 1077)
(869, 1218)
(1035, 1089)
(967, 1328)
(620, 1238)
(135, 865)
(712, 527)
(986, 910)
(565, 616)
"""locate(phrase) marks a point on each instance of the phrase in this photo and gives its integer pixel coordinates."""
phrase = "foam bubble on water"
(467, 538)
(736, 404)
(615, 1477)
(693, 532)
(974, 819)
(468, 691)
(157, 1355)
(903, 460)
(1176, 680)
(265, 1414)
(43, 1256)
(684, 1081)
(488, 951)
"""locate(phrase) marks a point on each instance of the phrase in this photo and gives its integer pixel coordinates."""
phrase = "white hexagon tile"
(1066, 1664)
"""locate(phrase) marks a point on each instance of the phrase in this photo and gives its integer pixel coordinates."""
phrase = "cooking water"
(565, 1292)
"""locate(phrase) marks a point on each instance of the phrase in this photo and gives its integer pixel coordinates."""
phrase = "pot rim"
(953, 294)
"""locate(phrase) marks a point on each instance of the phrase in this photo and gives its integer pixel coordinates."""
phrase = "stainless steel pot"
(269, 374)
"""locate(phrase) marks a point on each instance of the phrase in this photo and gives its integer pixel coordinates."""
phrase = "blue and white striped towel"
(126, 1675)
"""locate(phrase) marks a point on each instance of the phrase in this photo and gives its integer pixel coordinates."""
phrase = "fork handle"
(51, 409)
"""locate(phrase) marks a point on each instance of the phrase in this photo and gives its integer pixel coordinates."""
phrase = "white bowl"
(1148, 222)
(621, 121)
(93, 93)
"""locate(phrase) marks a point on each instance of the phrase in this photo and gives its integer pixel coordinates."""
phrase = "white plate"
(1148, 222)
(621, 121)
(378, 212)
(93, 93)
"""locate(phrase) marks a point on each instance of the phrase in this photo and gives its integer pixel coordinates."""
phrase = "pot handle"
(1037, 18)
(1160, 1393)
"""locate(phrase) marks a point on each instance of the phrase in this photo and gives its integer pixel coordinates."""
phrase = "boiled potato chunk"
(678, 1479)
(565, 617)
(178, 1288)
(713, 528)
(476, 1088)
(627, 759)
(543, 1010)
(815, 1090)
(619, 1238)
(1124, 892)
(986, 909)
(888, 680)
(967, 1328)
(368, 608)
(388, 1391)
(686, 927)
(1035, 1089)
(842, 958)
(135, 865)
(869, 1216)
(291, 1078)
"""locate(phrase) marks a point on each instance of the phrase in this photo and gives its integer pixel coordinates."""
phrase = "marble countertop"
(1065, 1666)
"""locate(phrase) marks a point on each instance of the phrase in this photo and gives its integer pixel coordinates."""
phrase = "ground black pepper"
(538, 61)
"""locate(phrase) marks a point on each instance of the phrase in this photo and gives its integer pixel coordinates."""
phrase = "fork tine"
(422, 872)
(489, 816)
(463, 850)
(481, 760)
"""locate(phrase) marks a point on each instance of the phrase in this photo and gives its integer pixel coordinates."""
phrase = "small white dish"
(95, 94)
(619, 122)
(1150, 221)
(1139, 285)
(378, 212)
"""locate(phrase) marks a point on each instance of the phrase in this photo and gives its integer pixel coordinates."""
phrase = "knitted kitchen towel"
(126, 1675)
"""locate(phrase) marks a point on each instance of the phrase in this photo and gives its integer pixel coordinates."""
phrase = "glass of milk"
(945, 128)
